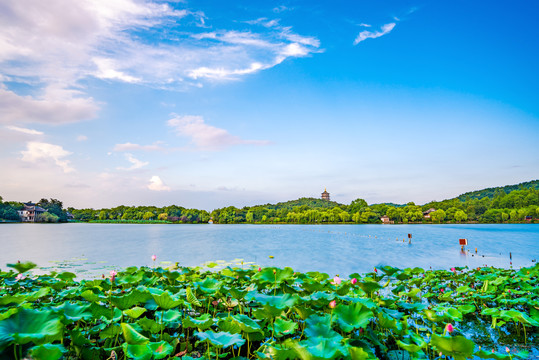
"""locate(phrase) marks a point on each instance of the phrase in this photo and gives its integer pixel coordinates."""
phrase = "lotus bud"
(332, 304)
(259, 269)
(354, 281)
(336, 280)
(507, 350)
(113, 275)
(154, 257)
(449, 328)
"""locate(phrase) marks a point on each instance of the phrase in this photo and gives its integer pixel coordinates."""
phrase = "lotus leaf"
(135, 313)
(22, 267)
(209, 285)
(165, 300)
(351, 317)
(133, 337)
(29, 325)
(73, 312)
(202, 322)
(130, 299)
(456, 346)
(284, 327)
(220, 339)
(48, 352)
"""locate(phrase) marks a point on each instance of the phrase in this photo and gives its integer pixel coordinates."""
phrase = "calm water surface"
(90, 249)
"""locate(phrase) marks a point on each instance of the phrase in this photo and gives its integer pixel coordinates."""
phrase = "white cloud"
(156, 184)
(55, 106)
(136, 164)
(130, 147)
(57, 43)
(204, 136)
(24, 130)
(82, 138)
(37, 152)
(364, 35)
(365, 25)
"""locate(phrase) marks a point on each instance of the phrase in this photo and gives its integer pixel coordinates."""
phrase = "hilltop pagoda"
(325, 195)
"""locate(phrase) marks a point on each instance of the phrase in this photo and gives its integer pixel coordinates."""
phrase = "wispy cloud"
(135, 163)
(82, 138)
(24, 130)
(54, 106)
(132, 147)
(156, 184)
(39, 152)
(364, 35)
(205, 136)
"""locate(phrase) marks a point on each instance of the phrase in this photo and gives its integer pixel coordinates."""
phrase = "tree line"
(497, 206)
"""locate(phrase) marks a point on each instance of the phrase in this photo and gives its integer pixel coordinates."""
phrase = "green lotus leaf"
(491, 355)
(66, 275)
(169, 316)
(320, 348)
(456, 346)
(319, 326)
(412, 306)
(229, 325)
(209, 285)
(466, 309)
(48, 352)
(165, 300)
(191, 298)
(411, 348)
(246, 324)
(73, 312)
(160, 349)
(284, 327)
(303, 311)
(369, 286)
(490, 312)
(284, 351)
(220, 339)
(102, 312)
(278, 301)
(202, 322)
(413, 293)
(111, 331)
(133, 337)
(22, 267)
(130, 299)
(274, 276)
(354, 316)
(388, 322)
(90, 296)
(150, 325)
(453, 314)
(463, 289)
(29, 325)
(135, 313)
(7, 313)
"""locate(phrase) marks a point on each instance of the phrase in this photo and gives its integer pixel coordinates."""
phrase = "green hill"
(491, 192)
(311, 203)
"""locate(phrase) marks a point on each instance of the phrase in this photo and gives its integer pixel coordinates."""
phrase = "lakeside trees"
(490, 206)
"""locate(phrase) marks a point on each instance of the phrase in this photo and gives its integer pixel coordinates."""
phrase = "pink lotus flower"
(154, 257)
(20, 277)
(354, 281)
(453, 269)
(442, 290)
(332, 304)
(507, 350)
(449, 328)
(113, 275)
(375, 270)
(336, 280)
(259, 269)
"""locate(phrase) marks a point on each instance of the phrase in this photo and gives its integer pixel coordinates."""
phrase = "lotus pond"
(270, 313)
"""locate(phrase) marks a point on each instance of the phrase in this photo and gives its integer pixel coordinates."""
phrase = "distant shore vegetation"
(509, 204)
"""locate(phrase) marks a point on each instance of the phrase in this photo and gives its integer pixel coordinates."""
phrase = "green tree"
(438, 216)
(162, 216)
(148, 215)
(249, 216)
(460, 216)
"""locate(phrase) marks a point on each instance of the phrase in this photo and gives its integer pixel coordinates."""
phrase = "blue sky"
(206, 104)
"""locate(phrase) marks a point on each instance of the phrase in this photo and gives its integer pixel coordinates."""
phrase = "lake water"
(91, 249)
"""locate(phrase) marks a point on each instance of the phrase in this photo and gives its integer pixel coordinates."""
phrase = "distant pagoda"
(325, 195)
